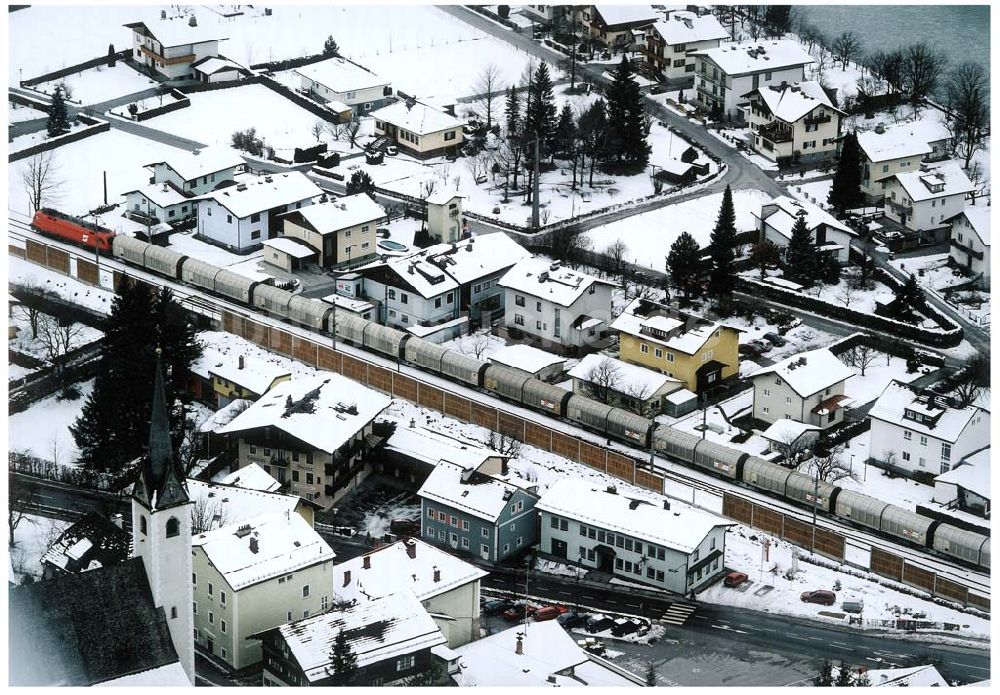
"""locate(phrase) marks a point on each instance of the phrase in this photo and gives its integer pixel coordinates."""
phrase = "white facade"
(339, 80)
(671, 43)
(970, 242)
(925, 199)
(807, 388)
(793, 123)
(171, 47)
(778, 217)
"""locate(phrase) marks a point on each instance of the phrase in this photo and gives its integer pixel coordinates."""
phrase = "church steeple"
(160, 485)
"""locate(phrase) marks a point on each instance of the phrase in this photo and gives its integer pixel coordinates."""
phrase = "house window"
(923, 440)
(305, 591)
(906, 455)
(392, 294)
(766, 410)
(465, 543)
(365, 244)
(404, 298)
(142, 525)
(484, 549)
(518, 300)
(173, 612)
(405, 663)
(211, 618)
(222, 626)
(694, 556)
(465, 525)
(518, 320)
(907, 435)
(430, 513)
(454, 539)
(194, 607)
(255, 234)
(324, 603)
(506, 547)
(777, 381)
(222, 597)
(538, 325)
(437, 302)
(885, 168)
(712, 546)
(210, 589)
(644, 349)
(659, 353)
(945, 452)
(442, 517)
(229, 219)
(788, 399)
(450, 135)
(225, 654)
(922, 462)
(454, 521)
(451, 297)
(670, 357)
(519, 541)
(255, 217)
(767, 392)
(485, 533)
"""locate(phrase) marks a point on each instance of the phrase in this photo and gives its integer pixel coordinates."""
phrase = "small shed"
(530, 360)
(790, 436)
(680, 402)
(288, 254)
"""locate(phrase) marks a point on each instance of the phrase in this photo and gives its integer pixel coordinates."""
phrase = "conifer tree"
(722, 277)
(565, 131)
(802, 263)
(343, 660)
(909, 293)
(540, 115)
(626, 118)
(58, 122)
(845, 193)
(685, 266)
(515, 141)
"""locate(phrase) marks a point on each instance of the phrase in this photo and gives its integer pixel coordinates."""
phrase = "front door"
(559, 548)
(605, 559)
(211, 646)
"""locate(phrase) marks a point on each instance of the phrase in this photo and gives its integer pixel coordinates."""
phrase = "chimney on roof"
(366, 562)
(612, 489)
(784, 84)
(241, 362)
(347, 576)
(163, 14)
(117, 520)
(880, 129)
(519, 649)
(165, 187)
(411, 549)
(193, 21)
(437, 574)
(666, 505)
(551, 678)
(253, 545)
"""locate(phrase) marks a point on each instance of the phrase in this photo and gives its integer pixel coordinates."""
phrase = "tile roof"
(92, 542)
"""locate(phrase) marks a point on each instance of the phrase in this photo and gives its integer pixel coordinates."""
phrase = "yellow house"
(343, 229)
(698, 352)
(247, 378)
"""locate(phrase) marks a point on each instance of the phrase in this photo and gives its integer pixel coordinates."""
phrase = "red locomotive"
(72, 229)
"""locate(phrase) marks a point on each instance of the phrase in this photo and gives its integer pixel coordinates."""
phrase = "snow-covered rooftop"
(540, 277)
(757, 56)
(626, 14)
(791, 102)
(420, 118)
(223, 416)
(162, 194)
(480, 495)
(250, 477)
(973, 473)
(430, 447)
(914, 677)
(341, 76)
(391, 569)
(949, 423)
(685, 333)
(355, 306)
(259, 193)
(171, 675)
(681, 528)
(323, 411)
(334, 215)
(783, 219)
(214, 64)
(630, 378)
(809, 372)
(787, 431)
(250, 373)
(979, 217)
(526, 358)
(209, 160)
(902, 140)
(233, 504)
(547, 651)
(177, 32)
(442, 197)
(296, 248)
(276, 543)
(687, 27)
(942, 180)
(387, 628)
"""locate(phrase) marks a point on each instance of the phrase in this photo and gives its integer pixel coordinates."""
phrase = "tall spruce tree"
(686, 269)
(802, 264)
(565, 131)
(58, 121)
(846, 190)
(343, 660)
(540, 114)
(722, 277)
(626, 118)
(515, 122)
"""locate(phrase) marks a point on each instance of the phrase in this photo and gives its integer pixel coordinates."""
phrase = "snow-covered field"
(17, 114)
(32, 537)
(24, 273)
(80, 335)
(23, 142)
(43, 429)
(480, 344)
(100, 84)
(864, 389)
(648, 236)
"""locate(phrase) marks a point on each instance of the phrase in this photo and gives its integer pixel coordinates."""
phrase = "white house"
(446, 586)
(670, 546)
(241, 217)
(342, 230)
(340, 81)
(618, 26)
(253, 575)
(625, 385)
(214, 69)
(899, 148)
(419, 129)
(915, 431)
(922, 200)
(807, 387)
(830, 235)
(530, 360)
(970, 242)
(556, 307)
(171, 47)
(444, 217)
(671, 43)
(792, 123)
(725, 74)
(966, 487)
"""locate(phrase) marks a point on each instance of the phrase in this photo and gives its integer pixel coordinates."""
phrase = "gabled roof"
(979, 219)
(161, 194)
(176, 32)
(224, 504)
(902, 140)
(662, 325)
(210, 65)
(253, 374)
(209, 160)
(341, 76)
(418, 118)
(809, 372)
(632, 379)
(260, 193)
(430, 447)
(920, 185)
(687, 27)
(540, 277)
(614, 15)
(263, 547)
(786, 431)
(757, 56)
(88, 544)
(526, 358)
(296, 248)
(680, 528)
(783, 219)
(82, 629)
(323, 412)
(169, 676)
(341, 213)
(385, 628)
(251, 477)
(791, 102)
(897, 397)
(391, 570)
(972, 473)
(475, 493)
(914, 677)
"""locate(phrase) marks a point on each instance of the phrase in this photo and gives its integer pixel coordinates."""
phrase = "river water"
(962, 32)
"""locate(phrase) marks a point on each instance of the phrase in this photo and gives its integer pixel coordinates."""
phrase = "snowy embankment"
(32, 537)
(21, 272)
(43, 429)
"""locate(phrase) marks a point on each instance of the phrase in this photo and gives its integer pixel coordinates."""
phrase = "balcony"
(776, 132)
(899, 209)
(819, 120)
(978, 255)
(176, 60)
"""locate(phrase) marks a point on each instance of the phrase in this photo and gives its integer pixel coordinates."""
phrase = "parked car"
(599, 623)
(734, 579)
(658, 88)
(572, 619)
(624, 626)
(761, 345)
(404, 527)
(749, 350)
(497, 606)
(775, 339)
(820, 596)
(549, 613)
(853, 606)
(517, 612)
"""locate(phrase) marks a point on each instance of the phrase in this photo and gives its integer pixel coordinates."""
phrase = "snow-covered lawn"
(32, 538)
(250, 265)
(22, 272)
(873, 481)
(811, 191)
(43, 429)
(716, 427)
(933, 273)
(17, 114)
(864, 389)
(648, 236)
(23, 142)
(100, 84)
(80, 167)
(480, 344)
(843, 293)
(80, 335)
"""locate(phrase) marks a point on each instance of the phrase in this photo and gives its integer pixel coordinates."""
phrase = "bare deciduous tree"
(846, 47)
(317, 130)
(504, 444)
(922, 67)
(980, 181)
(208, 514)
(829, 467)
(40, 178)
(57, 339)
(614, 256)
(861, 356)
(638, 395)
(479, 164)
(351, 132)
(603, 379)
(974, 378)
(847, 291)
(21, 495)
(488, 88)
(968, 96)
(791, 445)
(568, 244)
(475, 345)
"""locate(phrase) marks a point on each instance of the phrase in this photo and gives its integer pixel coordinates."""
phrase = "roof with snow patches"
(251, 477)
(902, 140)
(341, 76)
(665, 326)
(251, 373)
(757, 56)
(209, 160)
(809, 372)
(540, 277)
(483, 496)
(223, 504)
(338, 214)
(92, 542)
(942, 420)
(431, 447)
(788, 209)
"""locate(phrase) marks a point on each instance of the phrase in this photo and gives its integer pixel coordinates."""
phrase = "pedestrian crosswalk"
(678, 613)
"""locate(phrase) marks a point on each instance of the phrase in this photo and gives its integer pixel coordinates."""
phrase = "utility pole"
(704, 413)
(812, 545)
(527, 569)
(534, 188)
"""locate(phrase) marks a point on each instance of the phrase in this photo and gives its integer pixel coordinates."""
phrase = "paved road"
(142, 131)
(37, 124)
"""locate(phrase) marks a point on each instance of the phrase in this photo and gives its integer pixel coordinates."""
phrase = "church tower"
(161, 528)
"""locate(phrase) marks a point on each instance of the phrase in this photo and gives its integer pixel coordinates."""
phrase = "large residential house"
(618, 26)
(830, 235)
(435, 292)
(391, 637)
(917, 431)
(247, 377)
(224, 502)
(793, 123)
(314, 433)
(700, 353)
(670, 44)
(253, 575)
(341, 83)
(171, 47)
(727, 73)
(342, 230)
(418, 129)
(898, 148)
(807, 387)
(241, 217)
(670, 546)
(477, 512)
(556, 308)
(970, 242)
(622, 384)
(447, 586)
(925, 199)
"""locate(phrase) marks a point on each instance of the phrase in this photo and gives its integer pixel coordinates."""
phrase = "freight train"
(514, 386)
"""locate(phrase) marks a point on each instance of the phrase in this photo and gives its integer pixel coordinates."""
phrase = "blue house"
(475, 511)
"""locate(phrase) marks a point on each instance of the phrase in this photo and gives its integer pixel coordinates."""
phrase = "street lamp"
(579, 568)
(812, 544)
(527, 570)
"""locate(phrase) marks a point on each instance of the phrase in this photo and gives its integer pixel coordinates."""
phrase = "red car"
(549, 612)
(820, 596)
(518, 612)
(734, 579)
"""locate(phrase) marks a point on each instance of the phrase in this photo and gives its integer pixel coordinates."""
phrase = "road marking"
(800, 639)
(744, 625)
(609, 601)
(978, 668)
(564, 593)
(840, 643)
(633, 605)
(846, 649)
(729, 629)
(816, 639)
(766, 629)
(702, 617)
